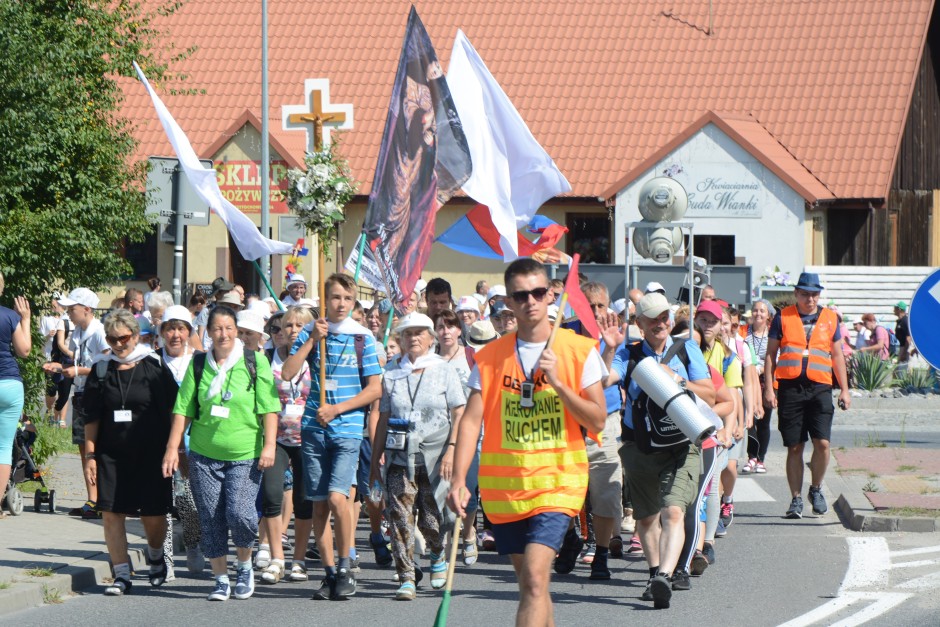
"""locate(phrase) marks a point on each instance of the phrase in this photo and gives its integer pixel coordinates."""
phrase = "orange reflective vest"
(532, 460)
(794, 347)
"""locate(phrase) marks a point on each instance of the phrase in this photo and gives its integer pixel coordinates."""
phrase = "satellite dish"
(662, 199)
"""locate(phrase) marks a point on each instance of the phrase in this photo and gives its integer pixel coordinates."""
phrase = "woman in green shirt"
(229, 398)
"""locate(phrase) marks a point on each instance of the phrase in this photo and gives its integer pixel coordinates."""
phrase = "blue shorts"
(365, 467)
(548, 528)
(329, 464)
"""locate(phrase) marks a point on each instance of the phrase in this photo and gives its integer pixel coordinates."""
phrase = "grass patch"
(906, 468)
(912, 511)
(849, 471)
(39, 572)
(5, 584)
(51, 596)
(870, 487)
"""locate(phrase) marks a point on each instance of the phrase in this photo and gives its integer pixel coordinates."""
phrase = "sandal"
(438, 571)
(298, 572)
(119, 587)
(157, 577)
(406, 591)
(273, 573)
(470, 552)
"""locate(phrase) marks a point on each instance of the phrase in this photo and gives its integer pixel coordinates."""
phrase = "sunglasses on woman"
(522, 296)
(121, 339)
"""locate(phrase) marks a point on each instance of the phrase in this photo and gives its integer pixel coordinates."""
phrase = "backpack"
(56, 354)
(199, 364)
(894, 345)
(653, 429)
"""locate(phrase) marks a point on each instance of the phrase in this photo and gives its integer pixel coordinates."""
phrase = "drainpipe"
(871, 234)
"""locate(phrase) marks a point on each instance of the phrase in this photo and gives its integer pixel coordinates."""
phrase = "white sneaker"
(628, 525)
(195, 560)
(263, 557)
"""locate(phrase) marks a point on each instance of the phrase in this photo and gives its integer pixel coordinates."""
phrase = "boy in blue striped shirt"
(331, 433)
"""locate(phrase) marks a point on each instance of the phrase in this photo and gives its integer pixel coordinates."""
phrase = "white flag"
(512, 173)
(251, 244)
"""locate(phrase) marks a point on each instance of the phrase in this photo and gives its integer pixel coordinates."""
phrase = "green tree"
(70, 188)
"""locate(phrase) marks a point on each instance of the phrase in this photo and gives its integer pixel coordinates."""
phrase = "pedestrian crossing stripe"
(748, 490)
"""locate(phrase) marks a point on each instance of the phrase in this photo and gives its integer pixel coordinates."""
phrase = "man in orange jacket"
(534, 402)
(808, 338)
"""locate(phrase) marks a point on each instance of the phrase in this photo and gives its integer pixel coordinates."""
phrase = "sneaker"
(661, 591)
(263, 557)
(244, 583)
(818, 500)
(195, 560)
(590, 549)
(796, 508)
(636, 548)
(354, 564)
(760, 468)
(79, 511)
(680, 580)
(647, 593)
(727, 513)
(699, 563)
(708, 552)
(721, 531)
(327, 588)
(286, 544)
(298, 572)
(383, 556)
(749, 467)
(221, 592)
(628, 524)
(119, 587)
(345, 585)
(616, 547)
(313, 553)
(599, 569)
(469, 553)
(90, 511)
(487, 541)
(568, 555)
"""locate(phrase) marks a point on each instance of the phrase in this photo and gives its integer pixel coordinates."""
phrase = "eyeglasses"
(122, 339)
(522, 296)
(275, 329)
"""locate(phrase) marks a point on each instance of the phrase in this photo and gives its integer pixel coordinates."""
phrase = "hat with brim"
(467, 303)
(809, 282)
(296, 279)
(709, 306)
(416, 320)
(252, 321)
(619, 305)
(220, 284)
(653, 286)
(180, 313)
(232, 299)
(482, 333)
(652, 305)
(901, 305)
(496, 290)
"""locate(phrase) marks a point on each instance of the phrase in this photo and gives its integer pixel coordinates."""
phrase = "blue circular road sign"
(924, 319)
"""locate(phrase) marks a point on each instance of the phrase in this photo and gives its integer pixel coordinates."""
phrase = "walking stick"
(441, 619)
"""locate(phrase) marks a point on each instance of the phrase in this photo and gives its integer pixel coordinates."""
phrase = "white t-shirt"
(529, 352)
(86, 344)
(48, 325)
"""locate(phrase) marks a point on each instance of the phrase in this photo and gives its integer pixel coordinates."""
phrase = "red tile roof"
(820, 88)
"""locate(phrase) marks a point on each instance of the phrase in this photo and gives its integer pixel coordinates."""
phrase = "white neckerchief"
(178, 364)
(348, 327)
(140, 351)
(406, 367)
(215, 387)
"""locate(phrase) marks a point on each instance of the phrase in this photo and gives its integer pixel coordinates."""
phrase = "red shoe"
(635, 549)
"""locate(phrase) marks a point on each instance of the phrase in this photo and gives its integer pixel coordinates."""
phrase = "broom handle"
(454, 541)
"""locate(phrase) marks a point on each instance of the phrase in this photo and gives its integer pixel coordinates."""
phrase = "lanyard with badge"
(292, 409)
(331, 384)
(124, 415)
(221, 411)
(527, 398)
(396, 438)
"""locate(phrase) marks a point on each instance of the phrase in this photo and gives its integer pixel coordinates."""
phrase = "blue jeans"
(330, 464)
(11, 407)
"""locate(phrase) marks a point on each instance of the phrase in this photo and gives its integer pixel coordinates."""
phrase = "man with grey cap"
(87, 342)
(663, 484)
(810, 359)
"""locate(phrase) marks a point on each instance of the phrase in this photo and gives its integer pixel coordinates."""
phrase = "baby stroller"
(24, 469)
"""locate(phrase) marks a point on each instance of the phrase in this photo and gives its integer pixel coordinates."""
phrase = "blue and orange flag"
(423, 161)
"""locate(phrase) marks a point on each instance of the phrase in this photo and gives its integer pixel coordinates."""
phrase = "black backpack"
(653, 429)
(199, 364)
(57, 356)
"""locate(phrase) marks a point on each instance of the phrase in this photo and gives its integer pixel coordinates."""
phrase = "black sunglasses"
(275, 329)
(522, 296)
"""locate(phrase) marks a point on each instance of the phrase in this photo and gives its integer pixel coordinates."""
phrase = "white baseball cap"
(80, 296)
(467, 303)
(619, 305)
(496, 290)
(261, 308)
(416, 320)
(653, 286)
(421, 285)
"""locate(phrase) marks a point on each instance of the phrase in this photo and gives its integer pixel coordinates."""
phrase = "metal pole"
(691, 276)
(265, 261)
(178, 239)
(626, 261)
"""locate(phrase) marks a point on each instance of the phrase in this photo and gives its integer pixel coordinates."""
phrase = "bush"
(916, 379)
(51, 440)
(870, 371)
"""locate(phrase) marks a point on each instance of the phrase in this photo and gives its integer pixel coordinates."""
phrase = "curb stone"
(857, 513)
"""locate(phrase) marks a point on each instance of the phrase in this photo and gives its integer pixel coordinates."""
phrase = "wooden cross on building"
(318, 117)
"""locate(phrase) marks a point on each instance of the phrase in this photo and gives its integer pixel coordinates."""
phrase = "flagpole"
(561, 314)
(362, 249)
(321, 270)
(265, 264)
(267, 284)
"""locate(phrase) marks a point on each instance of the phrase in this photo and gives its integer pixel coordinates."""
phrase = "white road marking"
(747, 490)
(868, 564)
(927, 582)
(919, 551)
(884, 602)
(841, 602)
(915, 563)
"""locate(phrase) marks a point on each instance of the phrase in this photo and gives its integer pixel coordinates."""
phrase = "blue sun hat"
(809, 282)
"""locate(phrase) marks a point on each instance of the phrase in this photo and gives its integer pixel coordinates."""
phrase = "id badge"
(218, 411)
(331, 385)
(395, 440)
(122, 415)
(293, 411)
(528, 395)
